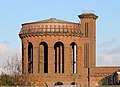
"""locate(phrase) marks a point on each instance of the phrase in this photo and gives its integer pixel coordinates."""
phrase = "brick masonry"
(54, 31)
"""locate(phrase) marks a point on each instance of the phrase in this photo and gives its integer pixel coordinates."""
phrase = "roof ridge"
(51, 20)
(54, 20)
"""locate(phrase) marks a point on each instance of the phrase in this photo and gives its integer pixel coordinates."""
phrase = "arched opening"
(43, 58)
(30, 58)
(86, 29)
(58, 84)
(59, 57)
(73, 83)
(74, 56)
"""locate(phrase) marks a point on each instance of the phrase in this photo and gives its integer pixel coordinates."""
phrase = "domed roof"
(53, 20)
(50, 20)
(51, 26)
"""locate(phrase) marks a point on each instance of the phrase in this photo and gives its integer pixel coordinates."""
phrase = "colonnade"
(44, 62)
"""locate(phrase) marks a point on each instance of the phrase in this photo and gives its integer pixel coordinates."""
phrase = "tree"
(12, 71)
(102, 81)
(12, 75)
(13, 65)
(6, 80)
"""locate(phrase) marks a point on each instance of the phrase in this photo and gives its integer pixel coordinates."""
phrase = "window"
(58, 84)
(74, 55)
(86, 29)
(59, 57)
(43, 58)
(30, 58)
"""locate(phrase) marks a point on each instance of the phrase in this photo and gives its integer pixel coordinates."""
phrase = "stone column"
(79, 60)
(51, 60)
(57, 59)
(41, 59)
(71, 59)
(60, 59)
(26, 57)
(35, 58)
(67, 60)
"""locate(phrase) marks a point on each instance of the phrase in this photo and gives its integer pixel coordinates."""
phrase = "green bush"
(103, 82)
(6, 80)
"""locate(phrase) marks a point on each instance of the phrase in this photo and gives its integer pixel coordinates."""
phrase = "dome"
(50, 26)
(52, 20)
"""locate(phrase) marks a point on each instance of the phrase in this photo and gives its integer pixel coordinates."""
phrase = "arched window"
(86, 29)
(43, 58)
(58, 84)
(30, 58)
(73, 83)
(74, 55)
(59, 57)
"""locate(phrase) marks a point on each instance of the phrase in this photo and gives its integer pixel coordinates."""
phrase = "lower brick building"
(57, 52)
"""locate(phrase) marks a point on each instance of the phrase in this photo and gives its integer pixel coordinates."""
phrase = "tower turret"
(88, 28)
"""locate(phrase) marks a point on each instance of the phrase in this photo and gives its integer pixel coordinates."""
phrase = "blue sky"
(15, 12)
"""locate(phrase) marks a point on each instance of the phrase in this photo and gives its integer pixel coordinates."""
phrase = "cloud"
(108, 53)
(3, 48)
(112, 51)
(109, 43)
(6, 52)
(108, 60)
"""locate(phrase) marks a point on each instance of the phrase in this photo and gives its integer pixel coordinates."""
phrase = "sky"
(13, 13)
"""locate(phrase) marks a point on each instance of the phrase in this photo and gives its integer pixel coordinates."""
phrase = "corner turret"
(88, 28)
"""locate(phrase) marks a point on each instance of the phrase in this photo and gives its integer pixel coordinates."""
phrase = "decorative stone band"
(50, 29)
(100, 74)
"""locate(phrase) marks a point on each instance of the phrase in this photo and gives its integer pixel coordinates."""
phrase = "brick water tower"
(58, 52)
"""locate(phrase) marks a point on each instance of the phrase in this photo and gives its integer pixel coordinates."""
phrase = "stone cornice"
(100, 74)
(78, 34)
(88, 15)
